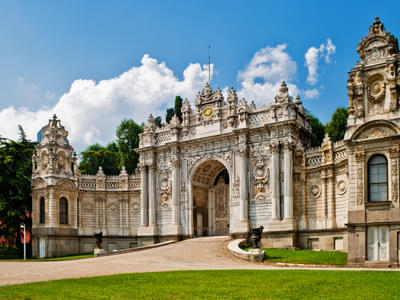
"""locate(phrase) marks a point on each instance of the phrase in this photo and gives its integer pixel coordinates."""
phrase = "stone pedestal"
(257, 254)
(98, 251)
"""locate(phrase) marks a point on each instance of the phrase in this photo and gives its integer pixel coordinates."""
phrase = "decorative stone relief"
(341, 187)
(135, 207)
(165, 189)
(360, 160)
(260, 174)
(394, 157)
(236, 188)
(315, 191)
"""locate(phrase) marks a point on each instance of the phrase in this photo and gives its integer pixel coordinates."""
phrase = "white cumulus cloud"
(314, 55)
(261, 79)
(311, 94)
(91, 110)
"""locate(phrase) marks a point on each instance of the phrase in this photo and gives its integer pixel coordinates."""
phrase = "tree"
(15, 187)
(158, 121)
(176, 110)
(128, 139)
(96, 155)
(336, 128)
(318, 129)
(169, 115)
(178, 107)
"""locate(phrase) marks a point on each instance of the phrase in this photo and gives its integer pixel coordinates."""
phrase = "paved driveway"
(208, 253)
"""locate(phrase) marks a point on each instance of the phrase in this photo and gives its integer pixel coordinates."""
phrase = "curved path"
(208, 253)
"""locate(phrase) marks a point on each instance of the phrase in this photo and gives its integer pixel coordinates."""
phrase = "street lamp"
(23, 226)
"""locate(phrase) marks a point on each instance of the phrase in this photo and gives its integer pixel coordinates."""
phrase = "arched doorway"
(210, 190)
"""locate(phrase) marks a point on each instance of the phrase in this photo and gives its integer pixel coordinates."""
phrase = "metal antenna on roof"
(209, 65)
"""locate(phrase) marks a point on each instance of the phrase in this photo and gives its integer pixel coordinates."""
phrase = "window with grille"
(377, 179)
(63, 211)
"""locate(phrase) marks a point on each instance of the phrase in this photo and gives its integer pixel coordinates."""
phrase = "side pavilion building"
(229, 165)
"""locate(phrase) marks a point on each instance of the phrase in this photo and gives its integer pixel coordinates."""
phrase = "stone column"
(332, 203)
(144, 221)
(275, 193)
(52, 209)
(244, 190)
(152, 196)
(288, 199)
(175, 164)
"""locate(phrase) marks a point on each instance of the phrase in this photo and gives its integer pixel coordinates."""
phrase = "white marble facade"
(230, 165)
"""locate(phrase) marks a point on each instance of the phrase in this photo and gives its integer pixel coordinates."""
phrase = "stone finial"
(100, 172)
(283, 94)
(327, 140)
(232, 97)
(123, 172)
(377, 27)
(297, 101)
(186, 106)
(175, 122)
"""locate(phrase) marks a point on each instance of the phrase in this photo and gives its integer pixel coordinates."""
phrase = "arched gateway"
(210, 198)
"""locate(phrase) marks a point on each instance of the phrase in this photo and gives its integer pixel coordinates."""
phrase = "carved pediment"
(66, 185)
(375, 130)
(38, 183)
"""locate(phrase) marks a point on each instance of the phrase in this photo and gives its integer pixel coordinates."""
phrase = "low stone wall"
(135, 249)
(235, 247)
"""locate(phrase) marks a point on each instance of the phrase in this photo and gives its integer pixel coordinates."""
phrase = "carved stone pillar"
(152, 196)
(275, 181)
(144, 221)
(175, 164)
(288, 200)
(360, 161)
(244, 189)
(52, 209)
(394, 158)
(332, 202)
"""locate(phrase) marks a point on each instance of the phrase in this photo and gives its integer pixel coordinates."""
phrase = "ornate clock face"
(207, 112)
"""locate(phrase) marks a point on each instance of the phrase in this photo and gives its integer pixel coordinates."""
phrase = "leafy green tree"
(336, 128)
(15, 187)
(169, 115)
(318, 129)
(158, 121)
(97, 155)
(128, 139)
(178, 107)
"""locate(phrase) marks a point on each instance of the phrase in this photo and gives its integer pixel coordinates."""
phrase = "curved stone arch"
(191, 172)
(38, 183)
(199, 162)
(66, 184)
(371, 129)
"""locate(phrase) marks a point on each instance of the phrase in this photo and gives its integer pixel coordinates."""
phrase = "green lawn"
(306, 256)
(269, 284)
(16, 258)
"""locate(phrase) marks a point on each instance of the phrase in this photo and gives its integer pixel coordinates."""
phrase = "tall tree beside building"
(318, 129)
(97, 155)
(336, 128)
(128, 139)
(15, 187)
(178, 107)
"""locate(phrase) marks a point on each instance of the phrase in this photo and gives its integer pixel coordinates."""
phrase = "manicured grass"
(306, 256)
(237, 284)
(80, 256)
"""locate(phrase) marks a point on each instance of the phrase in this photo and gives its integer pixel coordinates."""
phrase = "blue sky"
(53, 55)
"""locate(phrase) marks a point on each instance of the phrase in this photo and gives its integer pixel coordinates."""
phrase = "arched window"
(42, 209)
(377, 179)
(63, 211)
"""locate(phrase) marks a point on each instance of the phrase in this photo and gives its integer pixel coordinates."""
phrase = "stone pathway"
(208, 253)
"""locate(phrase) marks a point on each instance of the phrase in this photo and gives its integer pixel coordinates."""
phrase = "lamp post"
(23, 226)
